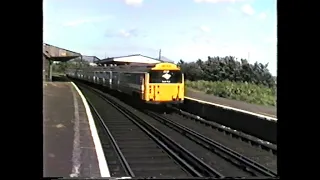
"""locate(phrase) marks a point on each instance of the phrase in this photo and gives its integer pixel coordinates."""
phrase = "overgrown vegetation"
(226, 77)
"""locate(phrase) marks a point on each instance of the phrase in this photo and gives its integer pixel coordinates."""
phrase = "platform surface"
(68, 148)
(259, 109)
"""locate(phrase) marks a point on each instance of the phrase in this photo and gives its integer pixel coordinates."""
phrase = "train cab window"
(165, 76)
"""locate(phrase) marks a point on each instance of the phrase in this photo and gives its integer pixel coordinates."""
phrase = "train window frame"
(152, 73)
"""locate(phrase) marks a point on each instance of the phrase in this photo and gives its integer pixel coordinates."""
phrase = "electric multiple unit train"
(160, 83)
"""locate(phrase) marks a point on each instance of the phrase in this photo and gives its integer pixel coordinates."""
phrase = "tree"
(72, 64)
(227, 68)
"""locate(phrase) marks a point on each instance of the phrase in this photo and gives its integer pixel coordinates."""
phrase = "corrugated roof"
(165, 59)
(45, 44)
(55, 54)
(110, 58)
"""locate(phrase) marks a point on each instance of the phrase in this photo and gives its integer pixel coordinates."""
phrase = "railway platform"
(70, 145)
(258, 109)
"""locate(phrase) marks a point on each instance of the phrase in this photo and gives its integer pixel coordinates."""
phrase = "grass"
(251, 93)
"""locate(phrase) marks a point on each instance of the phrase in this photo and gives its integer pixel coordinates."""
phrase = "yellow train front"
(164, 84)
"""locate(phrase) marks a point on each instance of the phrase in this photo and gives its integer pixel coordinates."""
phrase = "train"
(159, 83)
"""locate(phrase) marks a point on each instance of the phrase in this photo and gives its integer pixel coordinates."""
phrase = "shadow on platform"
(60, 78)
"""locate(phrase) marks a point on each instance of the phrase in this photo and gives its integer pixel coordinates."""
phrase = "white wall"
(92, 64)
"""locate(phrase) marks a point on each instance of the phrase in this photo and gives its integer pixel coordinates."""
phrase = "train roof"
(135, 58)
(135, 68)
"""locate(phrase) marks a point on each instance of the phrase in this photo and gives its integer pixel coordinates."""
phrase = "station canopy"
(55, 53)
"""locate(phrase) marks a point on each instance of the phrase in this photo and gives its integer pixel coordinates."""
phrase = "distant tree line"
(61, 67)
(228, 68)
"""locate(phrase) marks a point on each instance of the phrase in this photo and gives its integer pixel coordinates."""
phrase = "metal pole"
(81, 61)
(50, 70)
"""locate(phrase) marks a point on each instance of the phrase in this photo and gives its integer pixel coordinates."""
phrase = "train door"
(102, 76)
(94, 77)
(90, 76)
(114, 82)
(109, 79)
(148, 90)
(97, 77)
(86, 76)
(123, 83)
(142, 85)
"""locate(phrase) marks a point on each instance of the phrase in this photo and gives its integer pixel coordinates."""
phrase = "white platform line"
(234, 109)
(104, 169)
(76, 152)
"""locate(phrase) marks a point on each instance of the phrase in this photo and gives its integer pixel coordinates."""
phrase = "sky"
(182, 29)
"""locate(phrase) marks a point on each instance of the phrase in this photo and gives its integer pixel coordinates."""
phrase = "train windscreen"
(165, 76)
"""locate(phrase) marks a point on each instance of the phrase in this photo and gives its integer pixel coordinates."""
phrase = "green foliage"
(61, 67)
(251, 93)
(227, 68)
(226, 77)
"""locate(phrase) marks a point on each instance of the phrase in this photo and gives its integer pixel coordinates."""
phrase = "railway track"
(247, 145)
(244, 163)
(130, 149)
(205, 158)
(253, 141)
(224, 160)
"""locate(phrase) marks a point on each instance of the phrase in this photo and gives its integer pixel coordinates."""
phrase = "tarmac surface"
(68, 149)
(263, 110)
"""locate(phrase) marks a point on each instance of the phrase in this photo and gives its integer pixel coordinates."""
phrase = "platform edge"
(103, 167)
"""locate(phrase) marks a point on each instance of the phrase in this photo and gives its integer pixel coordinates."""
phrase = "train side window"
(136, 78)
(129, 77)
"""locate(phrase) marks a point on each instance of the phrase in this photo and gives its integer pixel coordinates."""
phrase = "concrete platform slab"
(258, 109)
(69, 149)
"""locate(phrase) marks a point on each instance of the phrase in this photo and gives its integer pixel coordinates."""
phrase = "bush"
(248, 92)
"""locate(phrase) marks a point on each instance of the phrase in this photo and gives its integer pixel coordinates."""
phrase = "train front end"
(164, 84)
